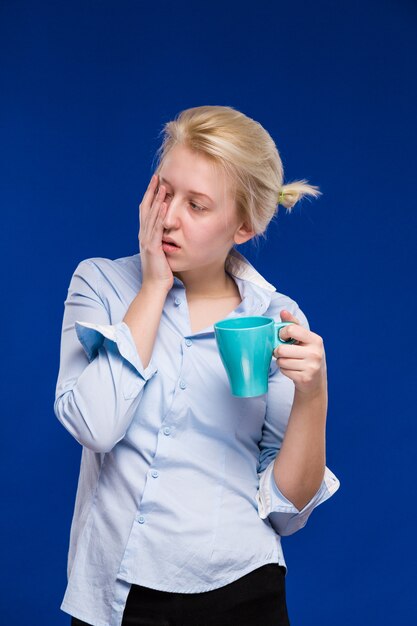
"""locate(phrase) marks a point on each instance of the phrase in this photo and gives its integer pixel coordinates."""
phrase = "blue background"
(86, 87)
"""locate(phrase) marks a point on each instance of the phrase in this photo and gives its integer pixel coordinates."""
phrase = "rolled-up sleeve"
(101, 377)
(283, 516)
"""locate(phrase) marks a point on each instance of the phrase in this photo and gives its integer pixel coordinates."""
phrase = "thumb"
(286, 316)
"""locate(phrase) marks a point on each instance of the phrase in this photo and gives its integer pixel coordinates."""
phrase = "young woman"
(185, 490)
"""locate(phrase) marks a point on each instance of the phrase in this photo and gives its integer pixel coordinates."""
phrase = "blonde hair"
(246, 153)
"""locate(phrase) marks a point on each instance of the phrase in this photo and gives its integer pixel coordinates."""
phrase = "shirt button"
(141, 519)
(177, 301)
(155, 473)
(167, 430)
(188, 342)
(182, 385)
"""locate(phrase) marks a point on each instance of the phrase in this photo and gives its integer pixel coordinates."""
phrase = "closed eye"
(196, 207)
(193, 205)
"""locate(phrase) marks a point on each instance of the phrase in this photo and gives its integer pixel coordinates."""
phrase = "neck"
(210, 283)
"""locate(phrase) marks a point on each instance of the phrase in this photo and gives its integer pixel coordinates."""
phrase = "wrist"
(155, 289)
(315, 393)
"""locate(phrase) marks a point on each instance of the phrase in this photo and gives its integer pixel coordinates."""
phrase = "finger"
(292, 351)
(158, 199)
(150, 192)
(154, 210)
(286, 316)
(158, 226)
(290, 364)
(294, 331)
(146, 203)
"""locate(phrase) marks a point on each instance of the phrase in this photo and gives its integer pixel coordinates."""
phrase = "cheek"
(209, 239)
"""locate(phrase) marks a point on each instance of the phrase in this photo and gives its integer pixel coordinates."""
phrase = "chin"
(177, 264)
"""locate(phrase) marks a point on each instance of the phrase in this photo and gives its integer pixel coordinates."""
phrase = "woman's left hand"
(305, 361)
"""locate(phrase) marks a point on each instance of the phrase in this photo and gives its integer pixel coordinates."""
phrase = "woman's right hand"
(156, 271)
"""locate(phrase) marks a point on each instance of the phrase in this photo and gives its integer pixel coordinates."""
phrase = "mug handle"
(278, 326)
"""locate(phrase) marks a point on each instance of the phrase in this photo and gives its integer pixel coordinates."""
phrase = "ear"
(243, 234)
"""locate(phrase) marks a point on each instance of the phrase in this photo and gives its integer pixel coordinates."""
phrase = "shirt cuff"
(92, 336)
(284, 516)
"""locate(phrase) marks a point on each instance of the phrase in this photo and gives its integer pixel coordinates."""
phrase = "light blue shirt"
(176, 488)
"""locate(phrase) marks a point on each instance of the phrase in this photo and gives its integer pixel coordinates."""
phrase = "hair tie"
(281, 197)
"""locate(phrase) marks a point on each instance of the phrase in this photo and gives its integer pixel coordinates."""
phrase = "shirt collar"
(237, 265)
(255, 291)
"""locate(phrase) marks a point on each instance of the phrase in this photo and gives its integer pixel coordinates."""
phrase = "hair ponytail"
(291, 193)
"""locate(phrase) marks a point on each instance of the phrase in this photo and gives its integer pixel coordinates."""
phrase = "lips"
(170, 241)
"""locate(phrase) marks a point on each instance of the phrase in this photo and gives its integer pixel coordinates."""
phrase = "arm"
(143, 317)
(101, 376)
(299, 468)
(293, 476)
(99, 391)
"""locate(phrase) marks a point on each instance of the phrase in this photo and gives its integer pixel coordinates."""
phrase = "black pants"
(256, 599)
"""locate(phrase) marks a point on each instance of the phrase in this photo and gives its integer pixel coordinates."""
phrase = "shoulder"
(110, 278)
(104, 263)
(108, 268)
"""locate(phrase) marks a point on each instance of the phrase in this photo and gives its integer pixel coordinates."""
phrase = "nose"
(171, 219)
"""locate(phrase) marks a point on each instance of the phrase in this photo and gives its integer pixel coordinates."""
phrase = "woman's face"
(201, 216)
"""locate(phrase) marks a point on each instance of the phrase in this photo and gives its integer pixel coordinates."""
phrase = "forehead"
(188, 169)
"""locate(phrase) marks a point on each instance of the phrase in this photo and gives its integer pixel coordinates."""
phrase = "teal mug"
(246, 346)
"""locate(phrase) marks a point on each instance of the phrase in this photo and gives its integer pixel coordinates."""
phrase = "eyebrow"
(194, 193)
